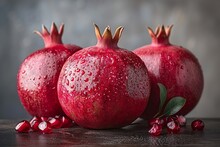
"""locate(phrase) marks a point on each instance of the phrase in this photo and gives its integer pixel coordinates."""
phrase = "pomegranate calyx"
(161, 35)
(53, 37)
(106, 39)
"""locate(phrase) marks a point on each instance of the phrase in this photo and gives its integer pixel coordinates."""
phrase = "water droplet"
(70, 73)
(45, 77)
(23, 72)
(33, 78)
(86, 80)
(181, 66)
(89, 73)
(85, 93)
(77, 70)
(83, 72)
(112, 60)
(83, 61)
(72, 79)
(67, 82)
(39, 77)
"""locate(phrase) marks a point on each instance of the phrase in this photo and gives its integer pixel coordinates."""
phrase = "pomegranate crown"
(161, 35)
(106, 38)
(53, 37)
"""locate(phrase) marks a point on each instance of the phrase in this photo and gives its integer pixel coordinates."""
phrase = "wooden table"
(133, 135)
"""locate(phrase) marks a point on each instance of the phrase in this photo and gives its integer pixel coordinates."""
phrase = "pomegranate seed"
(173, 127)
(155, 130)
(23, 126)
(58, 116)
(55, 122)
(156, 121)
(43, 118)
(35, 118)
(171, 118)
(45, 127)
(197, 125)
(34, 125)
(66, 122)
(182, 120)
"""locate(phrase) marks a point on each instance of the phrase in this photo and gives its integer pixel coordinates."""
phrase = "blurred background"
(195, 22)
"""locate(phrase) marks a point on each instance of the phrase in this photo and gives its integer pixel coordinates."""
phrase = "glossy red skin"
(197, 125)
(37, 80)
(103, 88)
(176, 68)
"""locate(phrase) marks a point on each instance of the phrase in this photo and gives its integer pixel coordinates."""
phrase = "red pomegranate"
(104, 86)
(175, 67)
(39, 72)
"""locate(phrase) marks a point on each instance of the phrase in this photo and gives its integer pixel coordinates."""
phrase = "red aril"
(23, 127)
(182, 120)
(197, 125)
(159, 121)
(43, 118)
(104, 86)
(34, 125)
(173, 127)
(45, 127)
(156, 129)
(66, 122)
(35, 118)
(173, 66)
(55, 123)
(38, 74)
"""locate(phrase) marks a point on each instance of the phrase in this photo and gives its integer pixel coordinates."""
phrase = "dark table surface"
(133, 135)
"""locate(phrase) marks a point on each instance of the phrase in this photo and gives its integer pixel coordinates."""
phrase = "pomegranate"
(104, 86)
(38, 74)
(175, 67)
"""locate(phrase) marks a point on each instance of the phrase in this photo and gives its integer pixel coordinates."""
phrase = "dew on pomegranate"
(86, 80)
(45, 77)
(77, 70)
(67, 82)
(100, 70)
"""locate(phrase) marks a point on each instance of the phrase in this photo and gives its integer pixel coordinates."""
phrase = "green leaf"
(174, 105)
(163, 95)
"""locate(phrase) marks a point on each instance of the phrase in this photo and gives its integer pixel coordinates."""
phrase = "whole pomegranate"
(175, 67)
(104, 86)
(39, 72)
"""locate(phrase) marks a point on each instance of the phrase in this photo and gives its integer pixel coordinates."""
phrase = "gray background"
(195, 22)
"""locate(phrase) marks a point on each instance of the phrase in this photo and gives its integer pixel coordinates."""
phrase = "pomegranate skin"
(39, 72)
(103, 86)
(175, 67)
